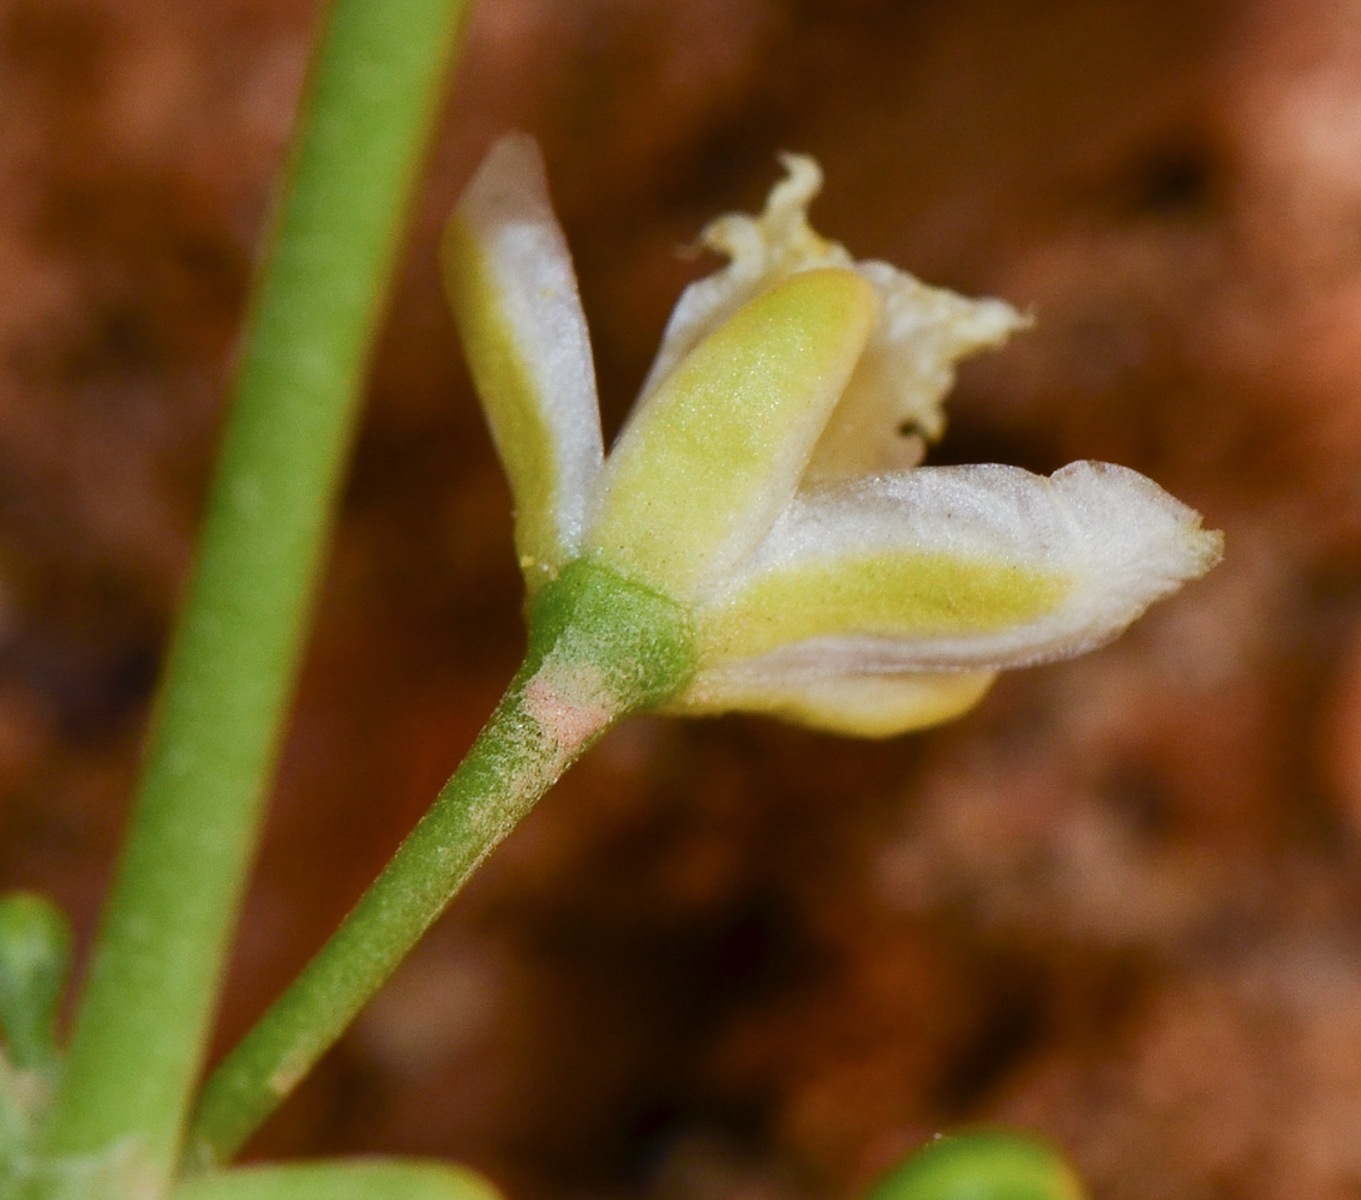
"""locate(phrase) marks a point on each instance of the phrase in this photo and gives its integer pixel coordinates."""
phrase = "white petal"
(515, 294)
(909, 364)
(974, 567)
(763, 251)
(895, 400)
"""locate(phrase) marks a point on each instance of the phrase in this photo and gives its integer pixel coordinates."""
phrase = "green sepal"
(636, 642)
(990, 1165)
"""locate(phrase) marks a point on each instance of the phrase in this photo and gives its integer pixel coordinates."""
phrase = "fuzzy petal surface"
(762, 252)
(893, 403)
(949, 568)
(514, 292)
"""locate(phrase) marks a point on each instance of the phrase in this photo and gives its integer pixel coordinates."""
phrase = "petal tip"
(511, 180)
(1136, 527)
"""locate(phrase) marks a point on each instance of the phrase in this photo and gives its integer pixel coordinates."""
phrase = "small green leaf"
(996, 1165)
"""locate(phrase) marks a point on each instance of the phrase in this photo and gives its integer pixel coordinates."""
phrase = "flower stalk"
(760, 538)
(600, 648)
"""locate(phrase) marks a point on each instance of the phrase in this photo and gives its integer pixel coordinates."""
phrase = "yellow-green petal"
(712, 456)
(762, 251)
(894, 594)
(874, 706)
(954, 568)
(894, 402)
(514, 293)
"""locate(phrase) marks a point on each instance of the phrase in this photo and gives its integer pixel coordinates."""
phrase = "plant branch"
(512, 763)
(373, 96)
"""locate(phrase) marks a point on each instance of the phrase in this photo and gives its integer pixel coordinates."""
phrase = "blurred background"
(1119, 904)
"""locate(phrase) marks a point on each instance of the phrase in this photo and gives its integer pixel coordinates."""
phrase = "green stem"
(512, 763)
(600, 647)
(142, 1026)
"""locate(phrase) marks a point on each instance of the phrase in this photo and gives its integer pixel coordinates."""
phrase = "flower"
(767, 480)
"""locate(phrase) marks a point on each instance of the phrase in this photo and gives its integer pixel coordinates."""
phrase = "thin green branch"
(600, 647)
(372, 100)
(509, 767)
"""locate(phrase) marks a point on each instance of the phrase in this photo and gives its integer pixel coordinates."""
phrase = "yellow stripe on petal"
(513, 290)
(954, 568)
(714, 454)
(510, 399)
(898, 595)
(874, 706)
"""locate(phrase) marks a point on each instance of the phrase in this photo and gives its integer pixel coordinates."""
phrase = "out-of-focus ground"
(1120, 903)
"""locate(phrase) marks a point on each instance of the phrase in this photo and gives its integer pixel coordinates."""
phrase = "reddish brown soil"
(1121, 903)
